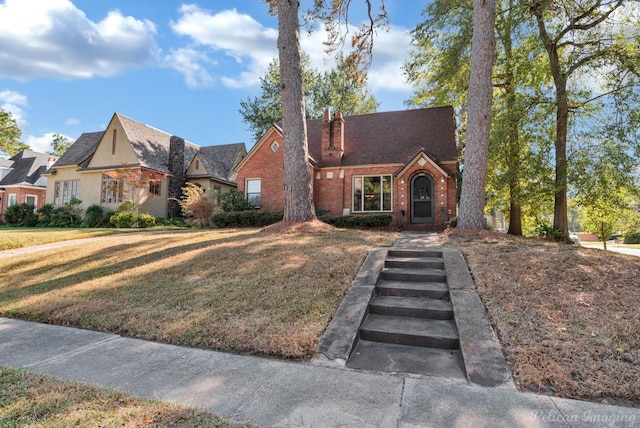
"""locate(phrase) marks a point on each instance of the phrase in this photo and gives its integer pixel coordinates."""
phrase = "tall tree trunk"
(298, 187)
(474, 175)
(560, 218)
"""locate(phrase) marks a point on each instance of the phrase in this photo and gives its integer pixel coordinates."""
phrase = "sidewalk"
(268, 392)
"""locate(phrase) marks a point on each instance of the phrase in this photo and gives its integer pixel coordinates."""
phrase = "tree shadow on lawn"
(14, 290)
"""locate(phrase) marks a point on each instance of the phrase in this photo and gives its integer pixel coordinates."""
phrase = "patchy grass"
(11, 237)
(33, 400)
(233, 290)
(567, 316)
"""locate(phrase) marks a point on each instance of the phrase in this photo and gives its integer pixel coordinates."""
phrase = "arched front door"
(422, 203)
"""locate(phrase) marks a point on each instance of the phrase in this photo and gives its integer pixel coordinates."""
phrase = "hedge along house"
(402, 163)
(92, 168)
(22, 180)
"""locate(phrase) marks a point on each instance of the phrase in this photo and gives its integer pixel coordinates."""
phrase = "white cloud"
(72, 121)
(53, 38)
(190, 63)
(236, 35)
(253, 46)
(13, 102)
(40, 144)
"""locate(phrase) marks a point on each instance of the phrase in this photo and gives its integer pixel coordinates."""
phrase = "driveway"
(631, 251)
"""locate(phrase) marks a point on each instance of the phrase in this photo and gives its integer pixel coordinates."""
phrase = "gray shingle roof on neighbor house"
(27, 168)
(151, 147)
(220, 160)
(392, 137)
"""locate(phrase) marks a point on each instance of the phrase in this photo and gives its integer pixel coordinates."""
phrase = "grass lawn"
(567, 316)
(233, 290)
(18, 237)
(33, 400)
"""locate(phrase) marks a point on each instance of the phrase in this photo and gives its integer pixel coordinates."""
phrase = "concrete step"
(415, 307)
(414, 275)
(434, 290)
(414, 253)
(391, 357)
(414, 262)
(410, 331)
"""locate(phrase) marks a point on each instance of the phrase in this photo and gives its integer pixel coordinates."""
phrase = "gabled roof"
(151, 145)
(392, 137)
(81, 150)
(219, 161)
(27, 168)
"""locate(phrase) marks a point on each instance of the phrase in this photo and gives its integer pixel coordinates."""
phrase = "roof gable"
(80, 152)
(218, 161)
(27, 168)
(392, 137)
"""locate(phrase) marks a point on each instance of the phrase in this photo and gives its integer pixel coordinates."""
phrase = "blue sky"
(67, 65)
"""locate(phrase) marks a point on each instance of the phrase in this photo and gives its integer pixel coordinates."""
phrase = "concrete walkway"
(268, 392)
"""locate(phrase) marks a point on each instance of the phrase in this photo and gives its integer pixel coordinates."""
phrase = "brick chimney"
(332, 139)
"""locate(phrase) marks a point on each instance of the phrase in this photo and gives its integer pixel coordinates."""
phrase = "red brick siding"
(21, 197)
(335, 194)
(268, 167)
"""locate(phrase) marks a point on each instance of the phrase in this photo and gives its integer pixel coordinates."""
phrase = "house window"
(197, 164)
(114, 142)
(13, 199)
(217, 190)
(274, 146)
(112, 190)
(65, 190)
(154, 187)
(31, 200)
(253, 191)
(372, 193)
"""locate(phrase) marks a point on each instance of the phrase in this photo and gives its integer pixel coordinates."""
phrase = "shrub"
(123, 219)
(359, 221)
(196, 206)
(546, 231)
(96, 216)
(252, 218)
(632, 238)
(146, 220)
(234, 200)
(22, 215)
(68, 215)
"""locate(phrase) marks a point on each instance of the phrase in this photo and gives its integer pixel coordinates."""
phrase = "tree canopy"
(10, 134)
(328, 89)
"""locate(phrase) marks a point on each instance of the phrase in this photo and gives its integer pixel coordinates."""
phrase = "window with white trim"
(13, 199)
(372, 193)
(65, 190)
(253, 189)
(31, 200)
(154, 187)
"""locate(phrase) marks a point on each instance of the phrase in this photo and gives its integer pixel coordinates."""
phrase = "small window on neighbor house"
(274, 146)
(197, 164)
(154, 187)
(31, 200)
(253, 191)
(13, 199)
(114, 142)
(217, 190)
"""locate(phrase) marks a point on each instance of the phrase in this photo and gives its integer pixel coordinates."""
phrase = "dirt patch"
(567, 316)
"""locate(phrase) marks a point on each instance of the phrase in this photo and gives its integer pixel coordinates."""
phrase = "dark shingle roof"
(27, 168)
(220, 160)
(81, 150)
(392, 137)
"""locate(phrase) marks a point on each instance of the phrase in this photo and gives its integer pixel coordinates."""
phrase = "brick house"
(22, 180)
(83, 170)
(401, 162)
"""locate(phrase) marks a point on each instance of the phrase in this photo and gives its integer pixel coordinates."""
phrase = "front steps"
(409, 326)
